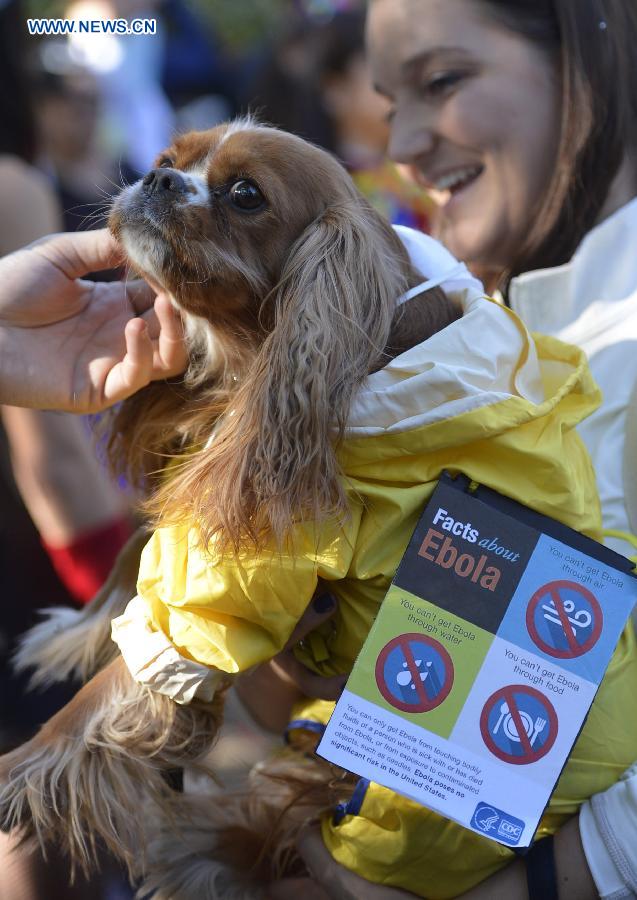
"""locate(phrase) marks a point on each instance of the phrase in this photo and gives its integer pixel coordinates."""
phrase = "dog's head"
(280, 264)
(217, 218)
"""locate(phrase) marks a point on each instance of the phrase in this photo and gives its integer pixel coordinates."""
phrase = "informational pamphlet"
(483, 662)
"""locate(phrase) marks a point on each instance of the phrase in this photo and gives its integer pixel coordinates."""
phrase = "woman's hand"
(284, 680)
(327, 879)
(77, 345)
(330, 881)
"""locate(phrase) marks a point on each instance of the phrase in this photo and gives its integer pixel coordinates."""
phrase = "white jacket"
(592, 302)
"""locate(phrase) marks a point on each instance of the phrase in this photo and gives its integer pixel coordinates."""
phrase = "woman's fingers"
(82, 252)
(286, 665)
(135, 370)
(340, 883)
(318, 687)
(321, 608)
(140, 295)
(170, 356)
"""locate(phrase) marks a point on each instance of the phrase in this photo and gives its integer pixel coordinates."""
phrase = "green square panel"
(419, 661)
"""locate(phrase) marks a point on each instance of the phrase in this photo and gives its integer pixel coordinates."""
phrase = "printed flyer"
(483, 662)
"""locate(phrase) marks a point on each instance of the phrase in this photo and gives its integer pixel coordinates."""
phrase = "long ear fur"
(335, 307)
(274, 457)
(95, 770)
(73, 643)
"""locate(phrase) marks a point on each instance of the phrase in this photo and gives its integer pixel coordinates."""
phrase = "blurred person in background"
(359, 123)
(110, 102)
(199, 75)
(67, 110)
(315, 82)
(80, 516)
(139, 119)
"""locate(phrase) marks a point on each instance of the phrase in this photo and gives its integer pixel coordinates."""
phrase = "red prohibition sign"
(402, 647)
(508, 698)
(551, 593)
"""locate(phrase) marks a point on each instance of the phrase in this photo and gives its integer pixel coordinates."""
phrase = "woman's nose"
(411, 136)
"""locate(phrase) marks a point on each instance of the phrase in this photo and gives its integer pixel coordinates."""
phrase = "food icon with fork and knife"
(518, 724)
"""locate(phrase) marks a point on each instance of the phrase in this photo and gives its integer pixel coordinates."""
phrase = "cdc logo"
(497, 824)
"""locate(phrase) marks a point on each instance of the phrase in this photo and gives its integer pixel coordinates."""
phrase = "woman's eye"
(441, 83)
(246, 195)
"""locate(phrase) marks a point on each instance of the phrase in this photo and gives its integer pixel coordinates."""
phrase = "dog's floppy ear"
(333, 312)
(273, 459)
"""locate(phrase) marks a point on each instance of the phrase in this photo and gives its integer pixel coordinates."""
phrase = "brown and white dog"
(288, 282)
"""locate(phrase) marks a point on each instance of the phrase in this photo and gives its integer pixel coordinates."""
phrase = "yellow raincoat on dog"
(483, 398)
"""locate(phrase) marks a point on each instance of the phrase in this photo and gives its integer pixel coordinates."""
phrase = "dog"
(303, 313)
(287, 281)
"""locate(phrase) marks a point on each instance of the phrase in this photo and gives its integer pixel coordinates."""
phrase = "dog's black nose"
(164, 181)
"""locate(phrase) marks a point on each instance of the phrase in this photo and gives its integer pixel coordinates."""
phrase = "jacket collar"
(550, 299)
(453, 371)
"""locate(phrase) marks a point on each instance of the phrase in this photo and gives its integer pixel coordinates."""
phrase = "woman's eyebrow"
(415, 63)
(379, 89)
(412, 67)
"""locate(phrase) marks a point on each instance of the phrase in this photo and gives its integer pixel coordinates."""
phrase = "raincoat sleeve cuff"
(608, 828)
(154, 662)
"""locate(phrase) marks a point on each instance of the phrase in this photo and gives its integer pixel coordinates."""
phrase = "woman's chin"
(468, 244)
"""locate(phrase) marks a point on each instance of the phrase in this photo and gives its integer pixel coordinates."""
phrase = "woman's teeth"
(456, 179)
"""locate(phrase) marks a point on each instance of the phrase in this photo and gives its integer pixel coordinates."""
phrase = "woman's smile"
(474, 119)
(448, 190)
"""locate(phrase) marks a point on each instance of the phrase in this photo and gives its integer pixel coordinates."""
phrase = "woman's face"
(475, 118)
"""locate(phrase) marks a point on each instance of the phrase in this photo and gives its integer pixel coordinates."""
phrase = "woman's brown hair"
(593, 46)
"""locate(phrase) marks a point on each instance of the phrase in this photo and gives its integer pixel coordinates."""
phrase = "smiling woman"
(475, 117)
(503, 111)
(519, 117)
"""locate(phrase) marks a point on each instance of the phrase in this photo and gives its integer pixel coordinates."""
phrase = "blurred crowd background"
(102, 106)
(82, 116)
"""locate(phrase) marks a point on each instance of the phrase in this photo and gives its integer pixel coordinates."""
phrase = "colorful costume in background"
(481, 397)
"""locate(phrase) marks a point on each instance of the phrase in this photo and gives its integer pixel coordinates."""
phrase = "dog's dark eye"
(165, 163)
(246, 195)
